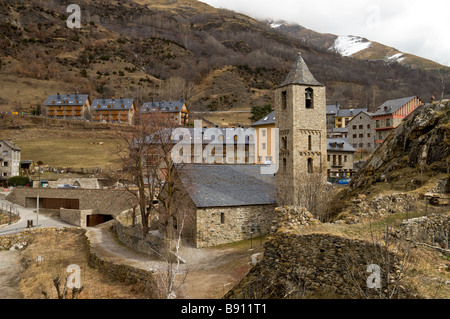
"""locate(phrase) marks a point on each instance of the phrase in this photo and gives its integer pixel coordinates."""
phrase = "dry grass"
(71, 152)
(58, 252)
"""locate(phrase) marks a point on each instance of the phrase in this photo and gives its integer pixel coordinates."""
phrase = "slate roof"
(11, 145)
(115, 103)
(341, 145)
(391, 106)
(349, 112)
(332, 109)
(268, 119)
(163, 106)
(300, 74)
(69, 99)
(228, 185)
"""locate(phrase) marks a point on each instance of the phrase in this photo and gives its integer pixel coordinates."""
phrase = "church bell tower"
(300, 116)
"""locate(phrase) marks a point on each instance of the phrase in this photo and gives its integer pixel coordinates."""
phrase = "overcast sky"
(412, 26)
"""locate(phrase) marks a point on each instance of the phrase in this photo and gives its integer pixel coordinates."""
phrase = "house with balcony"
(391, 113)
(176, 111)
(113, 110)
(340, 158)
(68, 106)
(10, 161)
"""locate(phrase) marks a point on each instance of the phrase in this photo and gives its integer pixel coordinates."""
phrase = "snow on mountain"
(274, 24)
(348, 45)
(398, 57)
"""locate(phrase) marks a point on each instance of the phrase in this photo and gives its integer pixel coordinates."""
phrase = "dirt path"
(10, 269)
(208, 273)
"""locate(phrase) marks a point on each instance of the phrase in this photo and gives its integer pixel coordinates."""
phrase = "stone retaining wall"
(152, 245)
(432, 229)
(318, 266)
(123, 272)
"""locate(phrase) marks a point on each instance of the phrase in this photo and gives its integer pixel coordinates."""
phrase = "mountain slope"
(354, 46)
(216, 59)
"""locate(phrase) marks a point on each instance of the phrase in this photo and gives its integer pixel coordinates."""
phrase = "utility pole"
(37, 219)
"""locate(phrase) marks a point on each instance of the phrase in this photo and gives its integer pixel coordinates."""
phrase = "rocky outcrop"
(432, 229)
(321, 266)
(291, 218)
(420, 142)
(380, 206)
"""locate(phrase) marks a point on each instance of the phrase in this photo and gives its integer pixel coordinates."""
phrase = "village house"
(332, 111)
(113, 110)
(340, 158)
(344, 116)
(391, 113)
(265, 133)
(217, 145)
(361, 132)
(176, 111)
(10, 161)
(68, 106)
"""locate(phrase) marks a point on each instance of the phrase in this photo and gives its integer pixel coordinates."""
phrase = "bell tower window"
(310, 165)
(309, 98)
(283, 100)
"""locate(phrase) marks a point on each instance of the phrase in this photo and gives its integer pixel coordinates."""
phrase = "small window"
(360, 127)
(284, 99)
(309, 103)
(309, 143)
(284, 165)
(354, 127)
(222, 218)
(368, 126)
(310, 165)
(263, 133)
(263, 146)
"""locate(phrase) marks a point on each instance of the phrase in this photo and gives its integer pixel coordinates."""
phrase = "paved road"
(25, 215)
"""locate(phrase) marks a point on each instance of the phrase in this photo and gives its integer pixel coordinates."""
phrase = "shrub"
(19, 181)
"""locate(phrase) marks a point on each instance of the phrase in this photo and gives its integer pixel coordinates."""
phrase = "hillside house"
(344, 116)
(176, 111)
(391, 113)
(361, 132)
(113, 110)
(10, 161)
(68, 106)
(340, 158)
(265, 148)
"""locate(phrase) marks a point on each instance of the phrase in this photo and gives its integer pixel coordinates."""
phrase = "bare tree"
(444, 77)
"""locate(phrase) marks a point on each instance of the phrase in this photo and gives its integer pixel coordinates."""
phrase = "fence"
(8, 214)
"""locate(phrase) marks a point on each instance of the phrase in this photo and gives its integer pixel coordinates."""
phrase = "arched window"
(310, 165)
(284, 143)
(283, 99)
(309, 102)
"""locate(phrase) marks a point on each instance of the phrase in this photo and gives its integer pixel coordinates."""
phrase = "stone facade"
(361, 132)
(101, 201)
(74, 216)
(300, 116)
(9, 160)
(222, 225)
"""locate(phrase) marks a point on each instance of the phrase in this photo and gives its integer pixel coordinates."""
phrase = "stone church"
(228, 203)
